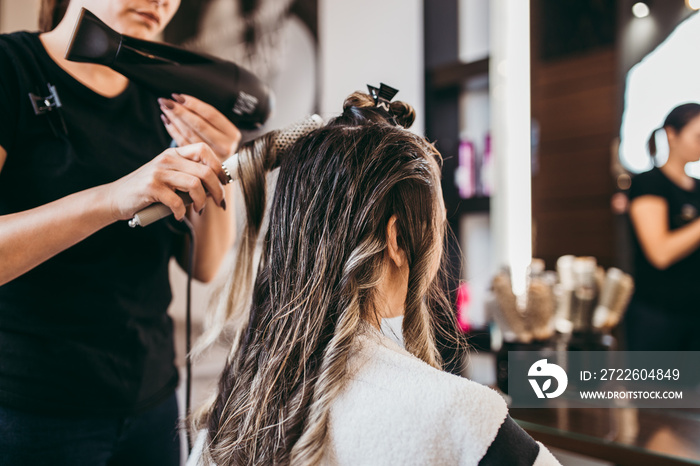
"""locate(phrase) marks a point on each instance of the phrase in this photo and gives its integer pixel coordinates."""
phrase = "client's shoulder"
(380, 364)
(394, 402)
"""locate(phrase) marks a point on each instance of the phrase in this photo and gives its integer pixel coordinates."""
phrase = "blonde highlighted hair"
(316, 285)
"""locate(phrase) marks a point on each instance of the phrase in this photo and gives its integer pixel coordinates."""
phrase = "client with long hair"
(356, 234)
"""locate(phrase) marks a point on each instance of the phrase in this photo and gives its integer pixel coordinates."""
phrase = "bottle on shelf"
(486, 169)
(465, 174)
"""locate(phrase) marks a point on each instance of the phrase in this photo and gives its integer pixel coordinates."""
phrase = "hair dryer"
(166, 69)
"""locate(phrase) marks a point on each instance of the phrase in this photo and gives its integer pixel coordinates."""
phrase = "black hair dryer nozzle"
(166, 69)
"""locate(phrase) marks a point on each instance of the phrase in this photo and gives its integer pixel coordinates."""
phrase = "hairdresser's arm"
(661, 246)
(189, 120)
(215, 230)
(31, 237)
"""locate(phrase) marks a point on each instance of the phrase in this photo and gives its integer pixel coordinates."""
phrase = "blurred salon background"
(542, 110)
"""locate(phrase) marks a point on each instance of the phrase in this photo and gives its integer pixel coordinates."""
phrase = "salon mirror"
(651, 93)
(620, 85)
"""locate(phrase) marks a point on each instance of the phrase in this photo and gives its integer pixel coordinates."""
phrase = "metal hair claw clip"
(383, 95)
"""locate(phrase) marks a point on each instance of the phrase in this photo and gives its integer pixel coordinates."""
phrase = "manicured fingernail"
(179, 97)
(223, 204)
(166, 103)
(165, 119)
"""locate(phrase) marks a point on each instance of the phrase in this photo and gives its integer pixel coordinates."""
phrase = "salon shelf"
(446, 79)
(479, 339)
(473, 204)
(621, 436)
(455, 74)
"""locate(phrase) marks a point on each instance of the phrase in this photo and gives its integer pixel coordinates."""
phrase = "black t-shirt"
(87, 331)
(677, 288)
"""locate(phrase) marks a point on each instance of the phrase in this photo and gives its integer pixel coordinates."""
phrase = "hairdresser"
(87, 372)
(665, 201)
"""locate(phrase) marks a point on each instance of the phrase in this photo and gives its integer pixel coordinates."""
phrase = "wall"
(578, 103)
(17, 15)
(367, 42)
(639, 36)
(655, 50)
(574, 101)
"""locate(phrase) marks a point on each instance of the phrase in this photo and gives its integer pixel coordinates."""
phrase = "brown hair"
(315, 287)
(360, 108)
(51, 13)
(676, 119)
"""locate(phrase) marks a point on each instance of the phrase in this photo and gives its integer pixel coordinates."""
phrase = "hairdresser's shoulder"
(13, 45)
(648, 183)
(650, 176)
(7, 50)
(17, 40)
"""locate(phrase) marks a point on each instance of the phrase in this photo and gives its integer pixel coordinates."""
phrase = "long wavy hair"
(315, 290)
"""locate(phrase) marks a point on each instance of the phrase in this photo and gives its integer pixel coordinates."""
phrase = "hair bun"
(359, 108)
(359, 100)
(404, 113)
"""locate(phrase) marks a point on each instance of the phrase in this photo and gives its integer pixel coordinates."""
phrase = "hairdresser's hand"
(193, 169)
(189, 120)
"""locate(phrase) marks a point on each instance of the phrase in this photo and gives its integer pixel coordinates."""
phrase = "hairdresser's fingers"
(174, 133)
(193, 169)
(207, 123)
(206, 177)
(187, 132)
(209, 113)
(170, 199)
(199, 129)
(203, 154)
(187, 183)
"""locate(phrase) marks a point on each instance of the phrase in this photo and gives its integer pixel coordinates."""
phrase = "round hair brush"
(539, 313)
(507, 313)
(283, 139)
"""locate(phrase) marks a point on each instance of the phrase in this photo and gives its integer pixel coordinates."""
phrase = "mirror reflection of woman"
(87, 373)
(664, 211)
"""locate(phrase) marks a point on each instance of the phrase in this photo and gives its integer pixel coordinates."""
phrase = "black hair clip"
(48, 106)
(382, 96)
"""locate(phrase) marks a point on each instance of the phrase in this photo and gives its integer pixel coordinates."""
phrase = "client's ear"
(396, 254)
